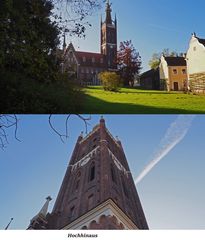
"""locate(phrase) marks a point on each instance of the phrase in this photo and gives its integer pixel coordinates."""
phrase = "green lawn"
(133, 101)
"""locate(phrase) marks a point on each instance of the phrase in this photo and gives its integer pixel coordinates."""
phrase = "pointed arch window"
(113, 174)
(77, 181)
(72, 211)
(125, 188)
(92, 172)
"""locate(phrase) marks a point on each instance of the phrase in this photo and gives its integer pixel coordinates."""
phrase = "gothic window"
(90, 201)
(92, 172)
(113, 175)
(72, 211)
(125, 189)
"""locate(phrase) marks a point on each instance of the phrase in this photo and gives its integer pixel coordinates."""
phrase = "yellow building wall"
(179, 79)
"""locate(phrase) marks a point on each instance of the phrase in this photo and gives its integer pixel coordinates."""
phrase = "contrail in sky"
(174, 135)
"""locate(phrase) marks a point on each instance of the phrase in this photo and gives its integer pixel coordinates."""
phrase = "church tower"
(109, 38)
(98, 191)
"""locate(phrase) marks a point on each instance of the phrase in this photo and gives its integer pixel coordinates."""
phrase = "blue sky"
(152, 25)
(172, 194)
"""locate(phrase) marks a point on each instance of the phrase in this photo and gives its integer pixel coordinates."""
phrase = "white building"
(196, 64)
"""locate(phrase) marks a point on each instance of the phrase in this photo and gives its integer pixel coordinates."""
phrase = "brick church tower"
(109, 38)
(98, 191)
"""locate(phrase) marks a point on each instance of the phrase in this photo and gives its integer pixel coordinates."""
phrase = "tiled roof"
(201, 40)
(175, 61)
(91, 59)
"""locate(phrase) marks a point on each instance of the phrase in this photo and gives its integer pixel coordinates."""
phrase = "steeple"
(109, 38)
(64, 42)
(108, 13)
(40, 221)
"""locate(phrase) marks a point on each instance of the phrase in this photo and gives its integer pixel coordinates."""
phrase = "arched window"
(113, 175)
(125, 188)
(92, 172)
(72, 211)
(77, 182)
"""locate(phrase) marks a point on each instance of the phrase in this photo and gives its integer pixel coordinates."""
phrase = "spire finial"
(64, 42)
(8, 224)
(108, 13)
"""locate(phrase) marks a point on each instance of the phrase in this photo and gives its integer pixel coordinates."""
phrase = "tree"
(110, 81)
(155, 61)
(73, 14)
(31, 81)
(129, 62)
(11, 121)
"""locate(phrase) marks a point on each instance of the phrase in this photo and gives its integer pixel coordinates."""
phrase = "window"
(82, 70)
(92, 172)
(90, 201)
(184, 71)
(175, 71)
(194, 49)
(125, 188)
(101, 60)
(77, 184)
(93, 60)
(72, 212)
(84, 59)
(113, 176)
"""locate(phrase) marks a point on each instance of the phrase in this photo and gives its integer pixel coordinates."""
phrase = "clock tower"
(109, 38)
(98, 191)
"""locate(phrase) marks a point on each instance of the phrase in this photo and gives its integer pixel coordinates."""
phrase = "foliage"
(29, 66)
(129, 62)
(155, 60)
(134, 101)
(110, 81)
(23, 95)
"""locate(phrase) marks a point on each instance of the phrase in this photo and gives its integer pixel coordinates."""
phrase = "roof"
(149, 73)
(91, 59)
(201, 40)
(175, 61)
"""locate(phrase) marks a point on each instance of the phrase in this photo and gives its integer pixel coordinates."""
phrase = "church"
(87, 65)
(98, 191)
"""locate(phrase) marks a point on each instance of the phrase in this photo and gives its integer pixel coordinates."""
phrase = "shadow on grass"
(94, 105)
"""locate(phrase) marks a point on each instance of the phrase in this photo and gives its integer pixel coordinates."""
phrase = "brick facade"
(98, 191)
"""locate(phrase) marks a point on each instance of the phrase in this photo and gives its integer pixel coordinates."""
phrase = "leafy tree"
(155, 61)
(129, 62)
(110, 81)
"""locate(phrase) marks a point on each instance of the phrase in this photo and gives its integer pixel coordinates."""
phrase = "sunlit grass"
(134, 101)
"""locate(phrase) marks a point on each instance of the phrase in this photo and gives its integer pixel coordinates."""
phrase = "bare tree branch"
(73, 13)
(7, 121)
(65, 135)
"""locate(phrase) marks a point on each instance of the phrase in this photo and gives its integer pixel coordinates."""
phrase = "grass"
(134, 101)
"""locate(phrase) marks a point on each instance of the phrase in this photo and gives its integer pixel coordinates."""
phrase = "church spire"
(41, 216)
(64, 42)
(108, 13)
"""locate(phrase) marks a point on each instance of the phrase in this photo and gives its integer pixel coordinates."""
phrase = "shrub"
(110, 81)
